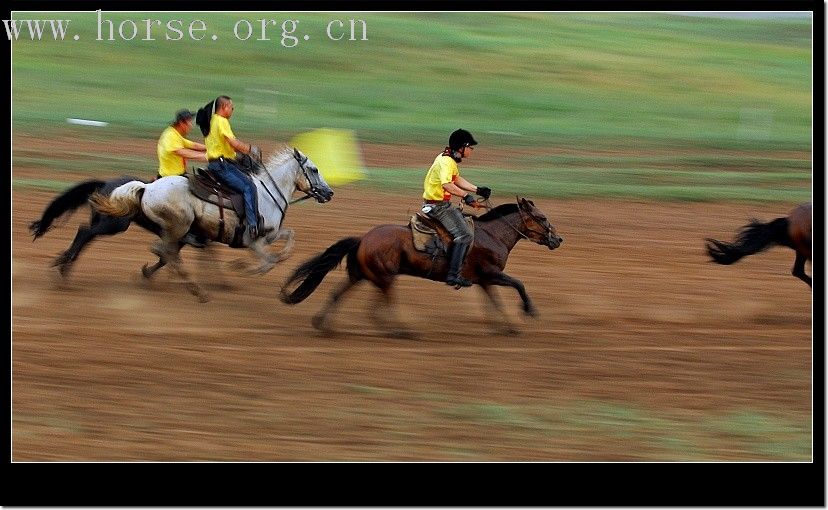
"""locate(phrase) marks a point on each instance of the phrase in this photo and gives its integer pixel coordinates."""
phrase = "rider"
(441, 182)
(222, 145)
(174, 150)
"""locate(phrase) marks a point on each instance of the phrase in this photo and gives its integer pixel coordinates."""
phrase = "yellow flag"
(335, 152)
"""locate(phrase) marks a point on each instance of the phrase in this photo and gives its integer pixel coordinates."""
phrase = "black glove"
(469, 199)
(484, 192)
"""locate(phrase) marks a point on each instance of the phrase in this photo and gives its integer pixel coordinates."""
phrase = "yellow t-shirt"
(216, 141)
(443, 170)
(170, 163)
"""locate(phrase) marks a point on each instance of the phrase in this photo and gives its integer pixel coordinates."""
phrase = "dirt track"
(643, 350)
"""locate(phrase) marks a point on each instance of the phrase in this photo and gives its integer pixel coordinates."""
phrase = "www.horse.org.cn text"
(287, 33)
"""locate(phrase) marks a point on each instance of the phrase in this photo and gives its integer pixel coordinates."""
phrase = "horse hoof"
(146, 272)
(509, 331)
(203, 298)
(531, 311)
(63, 269)
(319, 323)
(404, 334)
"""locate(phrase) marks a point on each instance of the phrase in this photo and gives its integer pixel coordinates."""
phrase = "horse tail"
(125, 200)
(66, 202)
(312, 272)
(753, 238)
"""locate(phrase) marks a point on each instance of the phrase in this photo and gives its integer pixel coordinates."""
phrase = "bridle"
(313, 193)
(547, 234)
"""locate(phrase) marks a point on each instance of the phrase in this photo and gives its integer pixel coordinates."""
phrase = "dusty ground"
(643, 349)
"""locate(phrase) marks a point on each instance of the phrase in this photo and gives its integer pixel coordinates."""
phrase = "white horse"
(169, 203)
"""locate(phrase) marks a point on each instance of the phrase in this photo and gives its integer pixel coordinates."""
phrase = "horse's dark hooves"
(320, 324)
(146, 272)
(64, 269)
(404, 334)
(531, 311)
(509, 330)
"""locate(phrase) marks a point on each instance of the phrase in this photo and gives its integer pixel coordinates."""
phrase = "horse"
(388, 250)
(99, 224)
(169, 203)
(793, 231)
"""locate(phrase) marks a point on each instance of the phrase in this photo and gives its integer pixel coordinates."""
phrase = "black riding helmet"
(461, 138)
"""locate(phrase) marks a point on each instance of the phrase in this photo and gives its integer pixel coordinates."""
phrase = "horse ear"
(296, 152)
(521, 202)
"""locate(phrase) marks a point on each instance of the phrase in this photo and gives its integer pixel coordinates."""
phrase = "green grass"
(583, 77)
(639, 105)
(651, 435)
(557, 179)
(639, 183)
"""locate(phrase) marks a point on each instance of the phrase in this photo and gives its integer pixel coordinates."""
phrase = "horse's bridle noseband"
(314, 191)
(526, 226)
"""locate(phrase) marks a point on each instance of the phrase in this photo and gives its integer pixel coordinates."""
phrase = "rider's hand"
(468, 199)
(255, 153)
(484, 192)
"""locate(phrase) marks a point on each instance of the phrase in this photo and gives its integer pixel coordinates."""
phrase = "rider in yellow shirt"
(174, 150)
(222, 144)
(441, 182)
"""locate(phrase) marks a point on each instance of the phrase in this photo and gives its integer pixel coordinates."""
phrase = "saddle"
(203, 184)
(430, 236)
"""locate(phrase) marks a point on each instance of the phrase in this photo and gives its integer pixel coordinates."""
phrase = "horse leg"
(320, 320)
(268, 259)
(504, 326)
(171, 254)
(799, 269)
(157, 249)
(206, 258)
(98, 225)
(284, 233)
(384, 314)
(505, 280)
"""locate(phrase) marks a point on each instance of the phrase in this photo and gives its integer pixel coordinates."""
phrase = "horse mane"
(279, 157)
(498, 212)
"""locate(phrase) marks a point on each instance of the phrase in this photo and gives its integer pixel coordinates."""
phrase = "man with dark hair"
(222, 144)
(441, 183)
(174, 150)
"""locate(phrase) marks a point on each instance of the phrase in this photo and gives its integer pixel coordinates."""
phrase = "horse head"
(309, 180)
(535, 226)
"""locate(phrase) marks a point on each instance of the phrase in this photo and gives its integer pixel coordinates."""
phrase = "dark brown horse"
(388, 250)
(794, 231)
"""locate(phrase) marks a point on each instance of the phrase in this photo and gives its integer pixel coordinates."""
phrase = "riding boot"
(457, 253)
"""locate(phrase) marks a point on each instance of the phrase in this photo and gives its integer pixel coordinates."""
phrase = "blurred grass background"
(601, 104)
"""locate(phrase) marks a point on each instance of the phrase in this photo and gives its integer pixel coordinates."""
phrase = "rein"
(488, 205)
(283, 210)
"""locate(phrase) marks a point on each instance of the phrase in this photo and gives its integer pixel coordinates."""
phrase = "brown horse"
(388, 250)
(794, 231)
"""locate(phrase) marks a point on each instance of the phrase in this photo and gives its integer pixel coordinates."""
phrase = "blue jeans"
(240, 183)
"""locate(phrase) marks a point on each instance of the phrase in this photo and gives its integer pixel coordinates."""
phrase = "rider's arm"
(455, 190)
(238, 145)
(465, 185)
(191, 154)
(198, 146)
